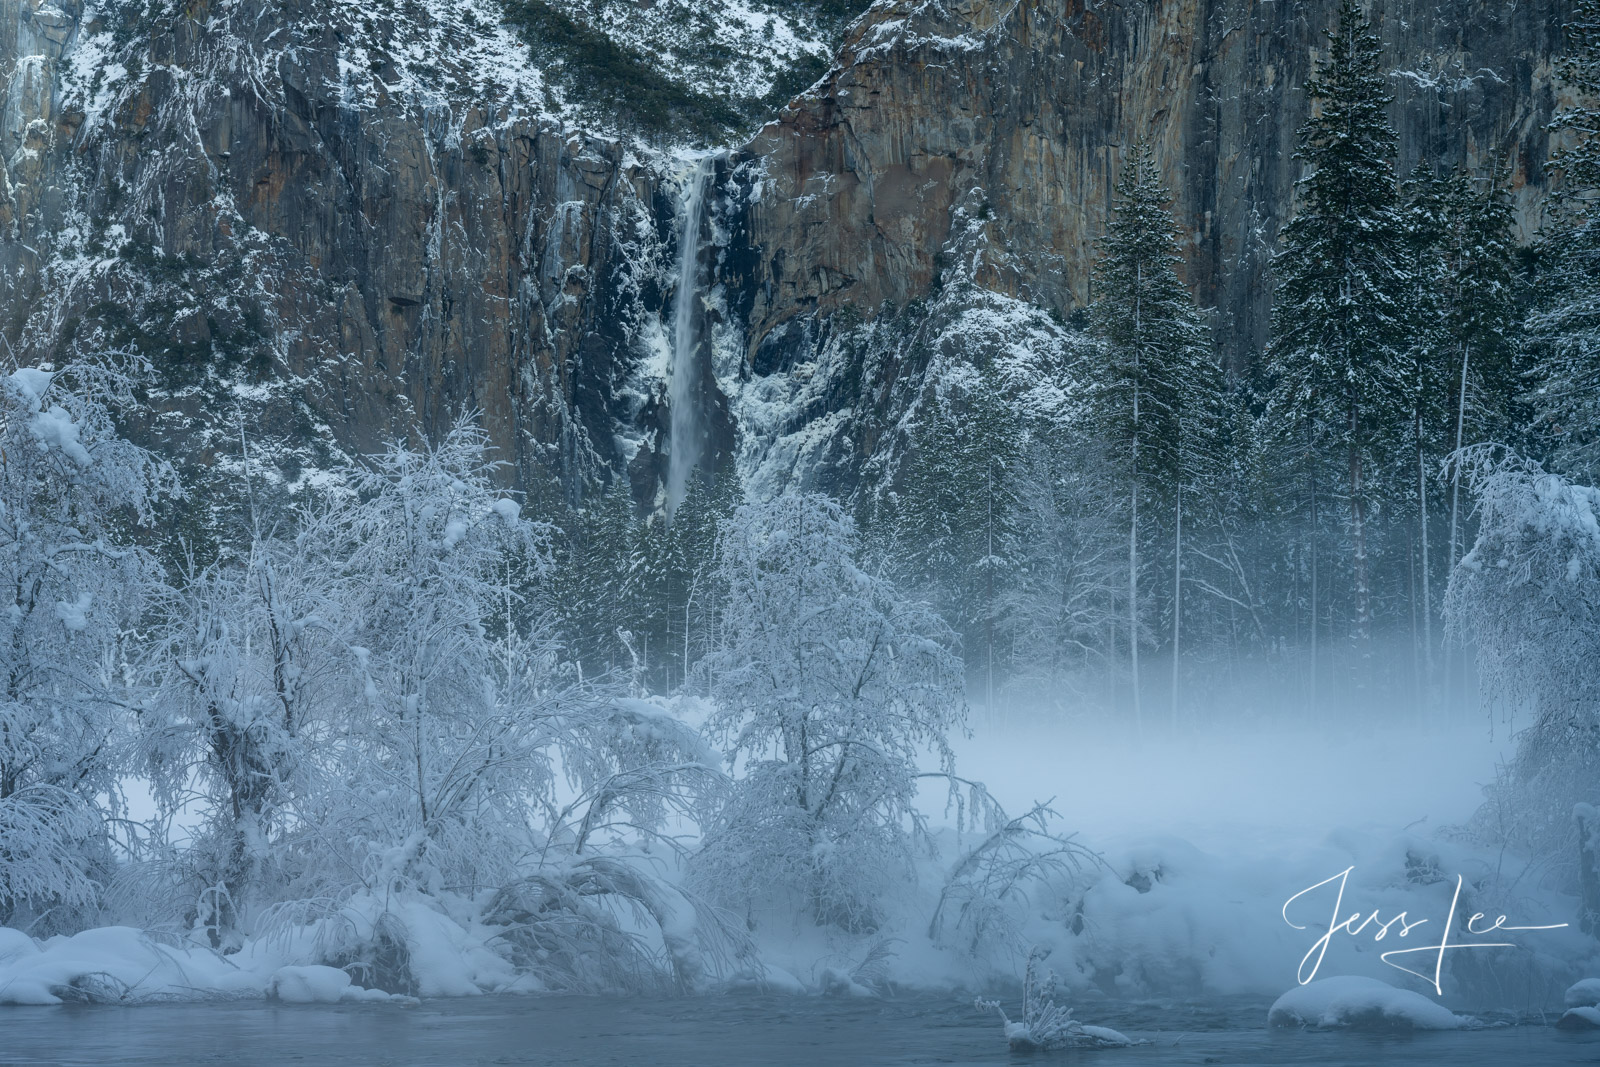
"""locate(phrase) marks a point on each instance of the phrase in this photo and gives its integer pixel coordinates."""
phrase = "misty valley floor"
(732, 1030)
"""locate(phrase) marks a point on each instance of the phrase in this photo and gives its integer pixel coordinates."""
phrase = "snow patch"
(55, 428)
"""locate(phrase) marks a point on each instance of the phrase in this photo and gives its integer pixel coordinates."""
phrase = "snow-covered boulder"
(1582, 994)
(317, 985)
(1355, 1003)
(1583, 1006)
(1582, 1017)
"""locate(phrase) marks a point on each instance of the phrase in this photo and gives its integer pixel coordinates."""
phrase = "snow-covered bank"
(1195, 910)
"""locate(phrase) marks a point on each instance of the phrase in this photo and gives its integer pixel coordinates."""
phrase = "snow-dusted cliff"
(338, 221)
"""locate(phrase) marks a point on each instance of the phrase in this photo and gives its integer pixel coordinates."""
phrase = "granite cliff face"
(348, 226)
(1031, 104)
(342, 221)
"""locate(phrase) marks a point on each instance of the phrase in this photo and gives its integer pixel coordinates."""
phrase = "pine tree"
(1341, 317)
(1158, 373)
(591, 591)
(1427, 204)
(1482, 319)
(1566, 321)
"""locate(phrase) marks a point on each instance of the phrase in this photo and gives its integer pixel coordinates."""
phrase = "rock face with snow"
(351, 220)
(1030, 104)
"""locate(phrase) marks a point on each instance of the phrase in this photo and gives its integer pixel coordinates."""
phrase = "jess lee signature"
(1477, 926)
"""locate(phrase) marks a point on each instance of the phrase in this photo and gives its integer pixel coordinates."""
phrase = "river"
(742, 1030)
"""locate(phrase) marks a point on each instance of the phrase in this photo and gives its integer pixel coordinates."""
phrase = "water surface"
(716, 1031)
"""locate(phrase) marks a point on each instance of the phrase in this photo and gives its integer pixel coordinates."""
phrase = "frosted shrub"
(1528, 597)
(982, 900)
(69, 489)
(828, 688)
(1045, 1025)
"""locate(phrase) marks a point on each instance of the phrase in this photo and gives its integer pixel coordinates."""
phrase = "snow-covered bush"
(1045, 1025)
(829, 687)
(71, 489)
(1528, 598)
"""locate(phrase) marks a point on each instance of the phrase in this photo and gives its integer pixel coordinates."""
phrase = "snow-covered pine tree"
(1482, 302)
(1425, 210)
(828, 688)
(71, 490)
(1158, 379)
(672, 575)
(591, 584)
(1565, 321)
(952, 526)
(1481, 344)
(1341, 313)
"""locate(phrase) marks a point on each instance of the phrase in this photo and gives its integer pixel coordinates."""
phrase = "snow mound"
(317, 985)
(1582, 994)
(1583, 1005)
(1356, 1003)
(113, 964)
(1021, 1038)
(30, 382)
(56, 429)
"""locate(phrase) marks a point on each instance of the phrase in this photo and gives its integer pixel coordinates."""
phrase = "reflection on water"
(709, 1032)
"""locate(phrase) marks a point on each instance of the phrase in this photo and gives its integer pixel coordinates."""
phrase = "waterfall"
(685, 426)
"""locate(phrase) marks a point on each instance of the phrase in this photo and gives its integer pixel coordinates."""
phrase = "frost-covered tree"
(71, 492)
(1070, 553)
(429, 763)
(250, 662)
(1341, 315)
(1158, 379)
(1528, 598)
(828, 690)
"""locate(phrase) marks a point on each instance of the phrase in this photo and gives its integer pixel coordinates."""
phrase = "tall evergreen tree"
(1341, 318)
(1566, 321)
(1158, 369)
(1426, 211)
(1482, 310)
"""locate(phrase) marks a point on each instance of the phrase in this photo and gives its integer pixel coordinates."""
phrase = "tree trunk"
(1315, 591)
(1358, 549)
(1427, 595)
(1133, 610)
(1177, 603)
(1452, 682)
(1588, 868)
